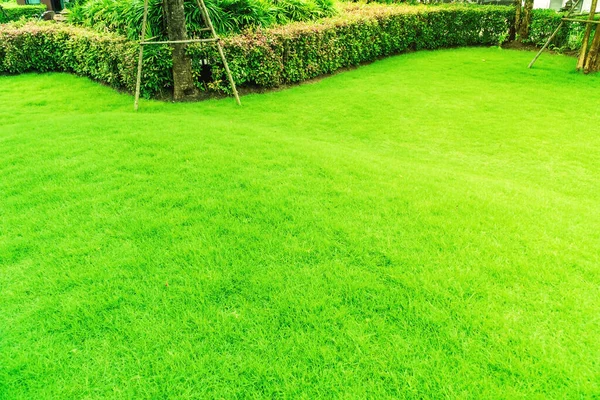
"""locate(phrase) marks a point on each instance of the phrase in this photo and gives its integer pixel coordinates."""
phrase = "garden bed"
(263, 58)
(266, 58)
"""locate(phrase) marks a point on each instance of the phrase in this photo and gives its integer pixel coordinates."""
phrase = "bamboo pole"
(545, 45)
(182, 41)
(231, 81)
(562, 22)
(208, 22)
(580, 15)
(214, 38)
(586, 36)
(592, 63)
(585, 21)
(140, 58)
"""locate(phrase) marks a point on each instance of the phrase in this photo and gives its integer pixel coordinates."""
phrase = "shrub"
(228, 16)
(301, 51)
(47, 47)
(262, 58)
(13, 12)
(543, 24)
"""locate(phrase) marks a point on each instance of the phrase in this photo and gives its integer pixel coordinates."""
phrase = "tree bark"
(515, 29)
(525, 22)
(183, 79)
(592, 63)
(582, 61)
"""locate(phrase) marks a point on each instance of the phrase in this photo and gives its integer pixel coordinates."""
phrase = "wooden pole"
(182, 41)
(215, 38)
(208, 22)
(586, 37)
(231, 81)
(585, 21)
(562, 22)
(141, 57)
(546, 44)
(592, 62)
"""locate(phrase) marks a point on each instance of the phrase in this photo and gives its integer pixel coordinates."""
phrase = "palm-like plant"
(228, 16)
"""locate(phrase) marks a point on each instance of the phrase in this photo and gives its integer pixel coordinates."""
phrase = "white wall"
(587, 5)
(542, 3)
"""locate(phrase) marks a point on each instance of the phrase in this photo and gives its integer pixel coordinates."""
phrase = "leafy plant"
(259, 58)
(228, 16)
(543, 24)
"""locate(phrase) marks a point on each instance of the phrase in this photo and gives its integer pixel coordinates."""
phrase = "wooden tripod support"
(213, 39)
(584, 57)
(562, 22)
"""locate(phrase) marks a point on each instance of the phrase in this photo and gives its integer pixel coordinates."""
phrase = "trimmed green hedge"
(265, 58)
(301, 51)
(13, 12)
(107, 58)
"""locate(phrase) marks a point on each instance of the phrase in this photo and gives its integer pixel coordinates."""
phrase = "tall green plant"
(228, 16)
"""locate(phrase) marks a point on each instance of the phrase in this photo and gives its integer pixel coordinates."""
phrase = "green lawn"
(427, 226)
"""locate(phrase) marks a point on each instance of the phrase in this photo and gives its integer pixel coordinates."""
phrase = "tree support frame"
(213, 39)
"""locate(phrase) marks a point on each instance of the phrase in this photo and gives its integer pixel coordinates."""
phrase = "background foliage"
(544, 22)
(228, 16)
(12, 12)
(259, 58)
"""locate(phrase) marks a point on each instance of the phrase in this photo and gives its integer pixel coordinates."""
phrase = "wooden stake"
(208, 22)
(585, 21)
(140, 58)
(214, 38)
(182, 41)
(592, 62)
(553, 34)
(586, 37)
(546, 44)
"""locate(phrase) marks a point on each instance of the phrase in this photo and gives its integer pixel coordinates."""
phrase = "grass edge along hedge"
(13, 12)
(263, 58)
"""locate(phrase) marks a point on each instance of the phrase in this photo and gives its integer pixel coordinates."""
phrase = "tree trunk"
(581, 62)
(183, 80)
(525, 20)
(592, 63)
(515, 29)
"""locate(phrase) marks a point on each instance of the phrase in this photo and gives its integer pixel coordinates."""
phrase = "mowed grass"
(427, 226)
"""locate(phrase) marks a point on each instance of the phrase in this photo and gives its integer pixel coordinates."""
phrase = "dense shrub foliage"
(228, 16)
(544, 22)
(12, 12)
(301, 51)
(263, 58)
(107, 58)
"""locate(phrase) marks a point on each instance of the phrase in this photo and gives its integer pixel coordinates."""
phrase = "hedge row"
(13, 12)
(297, 52)
(110, 59)
(264, 58)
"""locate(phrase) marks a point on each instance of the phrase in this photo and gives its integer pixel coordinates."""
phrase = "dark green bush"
(544, 22)
(13, 12)
(263, 58)
(301, 51)
(106, 58)
(228, 16)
